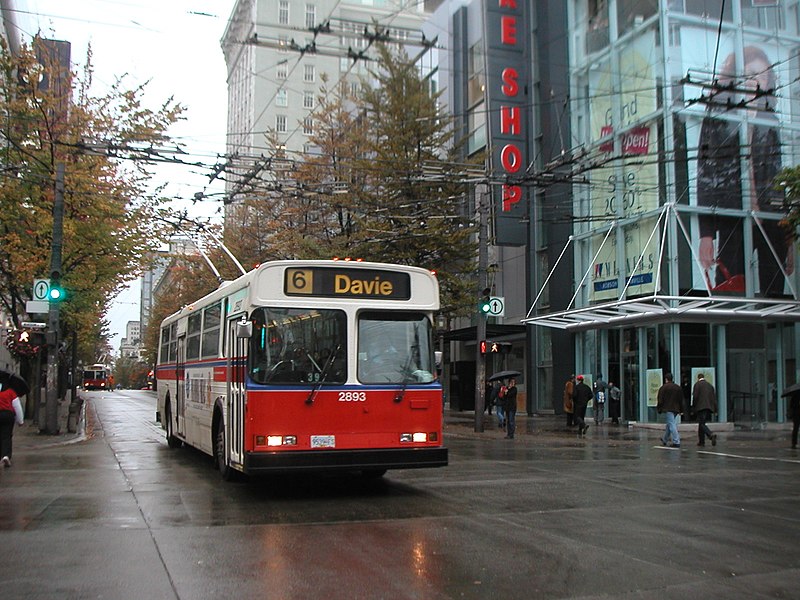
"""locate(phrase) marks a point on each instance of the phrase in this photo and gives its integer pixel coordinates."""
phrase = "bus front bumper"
(344, 460)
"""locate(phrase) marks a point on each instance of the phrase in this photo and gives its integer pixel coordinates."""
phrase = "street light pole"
(480, 328)
(53, 322)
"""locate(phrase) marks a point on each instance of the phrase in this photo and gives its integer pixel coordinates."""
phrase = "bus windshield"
(394, 348)
(298, 346)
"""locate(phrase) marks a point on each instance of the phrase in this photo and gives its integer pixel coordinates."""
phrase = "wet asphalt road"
(548, 515)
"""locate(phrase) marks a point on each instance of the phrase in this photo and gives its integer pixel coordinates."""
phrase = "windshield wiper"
(406, 379)
(323, 375)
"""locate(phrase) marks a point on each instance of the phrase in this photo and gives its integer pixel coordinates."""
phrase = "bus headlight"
(276, 440)
(418, 436)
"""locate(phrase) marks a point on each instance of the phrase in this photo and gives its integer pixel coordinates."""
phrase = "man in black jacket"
(704, 404)
(581, 396)
(670, 402)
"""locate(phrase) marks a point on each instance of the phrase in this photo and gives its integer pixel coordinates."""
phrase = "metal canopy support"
(667, 309)
(662, 308)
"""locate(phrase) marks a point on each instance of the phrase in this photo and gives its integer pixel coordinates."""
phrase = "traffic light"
(491, 347)
(485, 304)
(56, 293)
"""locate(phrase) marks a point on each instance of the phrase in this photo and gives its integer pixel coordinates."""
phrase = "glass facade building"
(683, 113)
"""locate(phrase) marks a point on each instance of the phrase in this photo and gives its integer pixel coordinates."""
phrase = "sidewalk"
(28, 436)
(549, 429)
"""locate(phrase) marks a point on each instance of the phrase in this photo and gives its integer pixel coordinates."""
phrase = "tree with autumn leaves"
(50, 118)
(383, 183)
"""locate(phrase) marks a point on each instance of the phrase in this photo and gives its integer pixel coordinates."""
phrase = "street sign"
(41, 289)
(33, 325)
(497, 306)
(33, 307)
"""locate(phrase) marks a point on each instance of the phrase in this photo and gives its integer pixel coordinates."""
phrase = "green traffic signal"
(56, 292)
(485, 306)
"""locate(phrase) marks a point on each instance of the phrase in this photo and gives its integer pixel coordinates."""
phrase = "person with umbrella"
(501, 395)
(510, 407)
(10, 411)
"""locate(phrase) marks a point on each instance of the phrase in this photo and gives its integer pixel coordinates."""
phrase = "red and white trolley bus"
(96, 377)
(307, 365)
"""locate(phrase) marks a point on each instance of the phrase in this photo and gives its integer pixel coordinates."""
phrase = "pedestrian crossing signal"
(490, 347)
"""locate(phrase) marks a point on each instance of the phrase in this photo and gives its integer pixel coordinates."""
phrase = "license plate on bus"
(323, 441)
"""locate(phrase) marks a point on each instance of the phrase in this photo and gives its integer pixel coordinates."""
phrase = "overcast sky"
(174, 44)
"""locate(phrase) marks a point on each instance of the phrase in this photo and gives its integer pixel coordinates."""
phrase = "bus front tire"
(225, 470)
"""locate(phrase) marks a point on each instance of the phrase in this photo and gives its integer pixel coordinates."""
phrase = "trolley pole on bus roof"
(480, 328)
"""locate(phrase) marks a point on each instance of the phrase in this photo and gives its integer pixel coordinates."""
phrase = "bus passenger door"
(237, 393)
(180, 388)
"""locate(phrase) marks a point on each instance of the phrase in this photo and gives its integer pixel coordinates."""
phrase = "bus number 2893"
(352, 396)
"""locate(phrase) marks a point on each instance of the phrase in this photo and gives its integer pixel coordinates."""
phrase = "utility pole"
(480, 328)
(53, 320)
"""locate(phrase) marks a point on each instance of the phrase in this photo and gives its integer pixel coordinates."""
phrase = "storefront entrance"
(748, 403)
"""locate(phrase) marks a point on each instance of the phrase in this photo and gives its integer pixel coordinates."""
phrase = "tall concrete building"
(278, 53)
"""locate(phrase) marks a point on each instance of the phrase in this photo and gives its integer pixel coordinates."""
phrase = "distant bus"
(307, 366)
(96, 377)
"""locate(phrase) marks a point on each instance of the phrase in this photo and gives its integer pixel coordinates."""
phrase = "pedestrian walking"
(488, 397)
(510, 407)
(11, 413)
(600, 391)
(704, 404)
(793, 413)
(670, 402)
(580, 400)
(569, 388)
(498, 404)
(614, 397)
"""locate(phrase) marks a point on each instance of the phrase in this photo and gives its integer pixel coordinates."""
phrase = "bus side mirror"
(244, 329)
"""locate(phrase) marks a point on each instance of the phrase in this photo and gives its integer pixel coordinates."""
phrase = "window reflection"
(298, 346)
(394, 348)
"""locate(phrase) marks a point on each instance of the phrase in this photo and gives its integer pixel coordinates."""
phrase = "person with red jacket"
(10, 413)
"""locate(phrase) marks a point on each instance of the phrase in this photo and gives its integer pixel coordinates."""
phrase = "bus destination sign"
(335, 282)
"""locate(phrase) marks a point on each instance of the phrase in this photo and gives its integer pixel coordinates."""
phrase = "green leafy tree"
(108, 226)
(412, 207)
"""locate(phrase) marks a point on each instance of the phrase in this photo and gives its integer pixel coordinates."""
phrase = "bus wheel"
(172, 441)
(224, 468)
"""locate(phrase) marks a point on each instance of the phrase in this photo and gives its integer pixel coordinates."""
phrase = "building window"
(283, 71)
(308, 99)
(311, 16)
(280, 123)
(309, 73)
(283, 44)
(308, 126)
(281, 98)
(283, 12)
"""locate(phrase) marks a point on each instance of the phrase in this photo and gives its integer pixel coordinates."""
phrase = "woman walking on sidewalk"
(10, 413)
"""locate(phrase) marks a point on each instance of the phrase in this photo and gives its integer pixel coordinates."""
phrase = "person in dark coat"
(670, 402)
(569, 410)
(581, 396)
(794, 415)
(704, 404)
(614, 405)
(510, 408)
